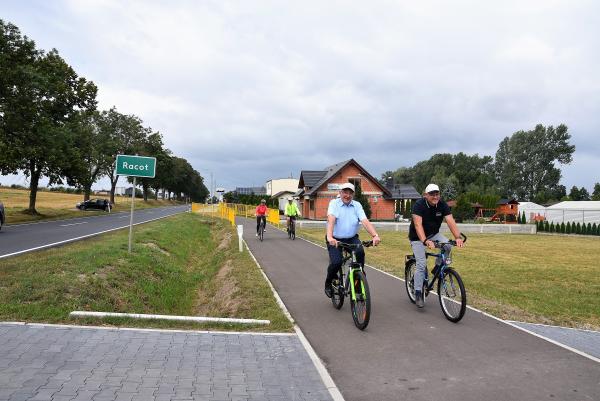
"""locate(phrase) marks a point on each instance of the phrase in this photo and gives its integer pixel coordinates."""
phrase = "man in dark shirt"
(428, 213)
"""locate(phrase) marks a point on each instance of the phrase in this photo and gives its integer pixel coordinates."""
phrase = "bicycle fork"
(353, 290)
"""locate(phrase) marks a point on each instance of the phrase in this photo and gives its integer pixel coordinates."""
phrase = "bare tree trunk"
(33, 188)
(113, 185)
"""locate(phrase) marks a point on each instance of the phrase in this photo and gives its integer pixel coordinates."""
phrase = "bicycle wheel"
(409, 275)
(452, 295)
(337, 297)
(361, 306)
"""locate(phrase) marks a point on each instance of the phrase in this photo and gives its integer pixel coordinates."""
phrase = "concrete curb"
(199, 319)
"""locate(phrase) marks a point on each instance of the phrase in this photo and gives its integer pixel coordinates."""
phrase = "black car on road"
(98, 204)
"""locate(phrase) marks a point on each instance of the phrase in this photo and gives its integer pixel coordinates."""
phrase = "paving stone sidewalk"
(43, 362)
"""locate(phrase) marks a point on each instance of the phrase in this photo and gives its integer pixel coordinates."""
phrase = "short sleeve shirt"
(347, 217)
(432, 216)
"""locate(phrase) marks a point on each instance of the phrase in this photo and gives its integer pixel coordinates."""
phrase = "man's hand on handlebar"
(332, 241)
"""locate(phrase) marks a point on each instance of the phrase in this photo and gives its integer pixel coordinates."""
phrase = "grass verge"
(57, 205)
(183, 265)
(532, 278)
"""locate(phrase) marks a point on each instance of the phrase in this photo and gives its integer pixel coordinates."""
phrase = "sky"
(255, 90)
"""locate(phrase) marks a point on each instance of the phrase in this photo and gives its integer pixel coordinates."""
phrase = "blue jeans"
(419, 252)
(336, 257)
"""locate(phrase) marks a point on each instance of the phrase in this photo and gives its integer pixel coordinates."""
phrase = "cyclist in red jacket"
(261, 214)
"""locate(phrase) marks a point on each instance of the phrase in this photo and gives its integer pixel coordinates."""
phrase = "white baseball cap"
(431, 188)
(290, 198)
(347, 185)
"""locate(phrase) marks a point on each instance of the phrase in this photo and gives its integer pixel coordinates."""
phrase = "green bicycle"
(355, 286)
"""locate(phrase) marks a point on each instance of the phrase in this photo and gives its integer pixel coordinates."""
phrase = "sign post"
(135, 166)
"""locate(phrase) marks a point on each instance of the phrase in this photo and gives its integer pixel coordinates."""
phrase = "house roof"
(595, 205)
(331, 171)
(507, 201)
(404, 191)
(308, 178)
(280, 193)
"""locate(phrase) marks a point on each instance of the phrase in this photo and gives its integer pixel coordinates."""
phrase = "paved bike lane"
(411, 354)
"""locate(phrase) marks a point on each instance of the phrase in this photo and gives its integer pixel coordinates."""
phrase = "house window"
(312, 205)
(355, 182)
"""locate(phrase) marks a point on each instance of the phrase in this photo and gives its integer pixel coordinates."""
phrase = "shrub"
(569, 230)
(562, 227)
(578, 228)
(546, 226)
(594, 229)
(552, 227)
(588, 230)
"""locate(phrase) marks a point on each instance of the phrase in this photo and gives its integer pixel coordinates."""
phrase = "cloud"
(255, 90)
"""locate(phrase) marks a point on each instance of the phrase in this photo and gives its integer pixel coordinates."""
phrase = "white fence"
(465, 228)
(582, 216)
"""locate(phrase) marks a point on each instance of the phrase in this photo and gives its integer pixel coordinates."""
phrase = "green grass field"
(533, 278)
(58, 205)
(183, 265)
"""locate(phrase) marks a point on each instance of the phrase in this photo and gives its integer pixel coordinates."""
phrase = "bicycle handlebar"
(350, 247)
(452, 242)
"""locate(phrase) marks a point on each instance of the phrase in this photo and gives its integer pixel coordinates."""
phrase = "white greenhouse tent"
(531, 210)
(574, 211)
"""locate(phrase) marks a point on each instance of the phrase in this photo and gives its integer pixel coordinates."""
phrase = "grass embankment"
(58, 205)
(532, 278)
(183, 265)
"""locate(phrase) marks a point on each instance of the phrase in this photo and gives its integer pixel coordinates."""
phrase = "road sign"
(136, 166)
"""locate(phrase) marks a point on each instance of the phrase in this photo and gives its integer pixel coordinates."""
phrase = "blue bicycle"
(450, 287)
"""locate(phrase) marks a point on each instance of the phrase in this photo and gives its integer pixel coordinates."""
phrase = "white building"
(574, 211)
(531, 210)
(281, 184)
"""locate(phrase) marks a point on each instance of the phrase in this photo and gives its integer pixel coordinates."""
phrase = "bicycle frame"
(349, 273)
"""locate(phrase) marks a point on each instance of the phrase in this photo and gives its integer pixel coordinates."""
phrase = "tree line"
(50, 127)
(526, 166)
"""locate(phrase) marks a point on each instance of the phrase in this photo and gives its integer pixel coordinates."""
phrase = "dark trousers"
(336, 257)
(258, 219)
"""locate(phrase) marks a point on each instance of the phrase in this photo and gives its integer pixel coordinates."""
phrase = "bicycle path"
(412, 354)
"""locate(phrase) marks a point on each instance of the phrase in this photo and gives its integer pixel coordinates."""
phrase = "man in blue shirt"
(344, 217)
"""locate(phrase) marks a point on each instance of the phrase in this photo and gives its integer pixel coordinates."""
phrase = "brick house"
(317, 187)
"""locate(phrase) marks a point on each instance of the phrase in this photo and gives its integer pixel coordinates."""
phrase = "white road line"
(74, 224)
(325, 376)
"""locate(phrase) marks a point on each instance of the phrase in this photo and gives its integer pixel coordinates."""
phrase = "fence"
(228, 211)
(582, 216)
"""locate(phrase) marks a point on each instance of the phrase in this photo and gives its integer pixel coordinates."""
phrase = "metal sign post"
(135, 166)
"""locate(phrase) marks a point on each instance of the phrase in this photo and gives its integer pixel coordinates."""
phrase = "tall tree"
(575, 194)
(596, 193)
(36, 104)
(525, 162)
(89, 154)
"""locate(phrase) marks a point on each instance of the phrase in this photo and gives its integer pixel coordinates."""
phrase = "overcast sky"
(254, 90)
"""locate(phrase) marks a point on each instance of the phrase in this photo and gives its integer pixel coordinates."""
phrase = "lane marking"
(321, 369)
(81, 237)
(74, 224)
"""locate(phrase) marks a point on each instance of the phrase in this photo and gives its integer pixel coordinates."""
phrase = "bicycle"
(356, 286)
(450, 288)
(261, 229)
(291, 230)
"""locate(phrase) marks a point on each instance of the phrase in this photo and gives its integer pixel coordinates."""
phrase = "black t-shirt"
(433, 216)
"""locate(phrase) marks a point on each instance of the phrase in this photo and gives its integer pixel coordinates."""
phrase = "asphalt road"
(412, 354)
(17, 239)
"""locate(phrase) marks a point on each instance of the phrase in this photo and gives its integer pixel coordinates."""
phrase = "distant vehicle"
(98, 204)
(2, 215)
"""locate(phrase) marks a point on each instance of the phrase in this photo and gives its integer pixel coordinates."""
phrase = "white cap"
(431, 188)
(290, 198)
(347, 185)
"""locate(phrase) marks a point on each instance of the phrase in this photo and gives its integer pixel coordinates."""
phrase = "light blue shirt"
(347, 217)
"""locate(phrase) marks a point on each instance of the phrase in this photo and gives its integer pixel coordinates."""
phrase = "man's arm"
(330, 223)
(454, 230)
(371, 230)
(418, 222)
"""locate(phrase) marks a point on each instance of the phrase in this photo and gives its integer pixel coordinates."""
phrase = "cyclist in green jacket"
(291, 211)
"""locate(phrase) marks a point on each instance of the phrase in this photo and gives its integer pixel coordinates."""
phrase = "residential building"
(275, 186)
(316, 188)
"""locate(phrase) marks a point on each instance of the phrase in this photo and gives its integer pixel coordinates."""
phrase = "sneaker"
(328, 290)
(257, 234)
(419, 299)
